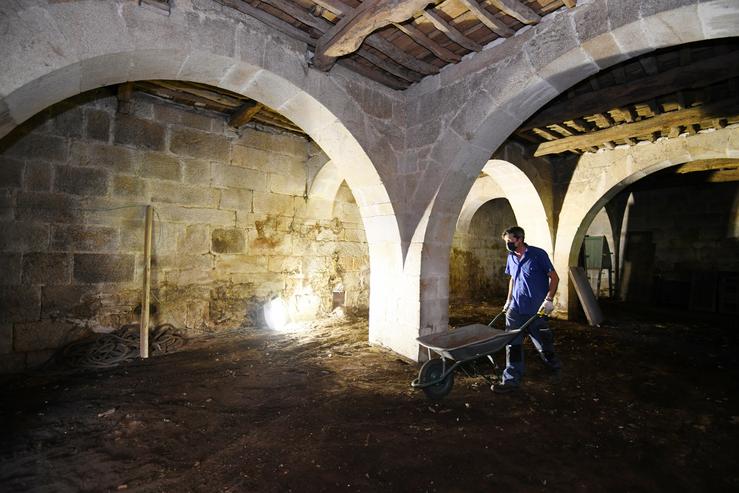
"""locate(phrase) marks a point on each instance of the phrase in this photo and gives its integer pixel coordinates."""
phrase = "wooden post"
(144, 332)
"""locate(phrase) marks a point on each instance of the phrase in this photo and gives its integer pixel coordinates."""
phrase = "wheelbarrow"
(461, 348)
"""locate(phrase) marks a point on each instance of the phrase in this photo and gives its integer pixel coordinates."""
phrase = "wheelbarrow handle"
(492, 322)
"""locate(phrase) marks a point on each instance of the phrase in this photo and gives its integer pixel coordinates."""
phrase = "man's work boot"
(503, 388)
(550, 360)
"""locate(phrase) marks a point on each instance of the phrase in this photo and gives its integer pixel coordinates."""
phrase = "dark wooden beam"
(387, 66)
(182, 97)
(707, 165)
(650, 127)
(376, 75)
(270, 20)
(487, 18)
(346, 35)
(399, 56)
(244, 114)
(517, 10)
(724, 176)
(428, 43)
(701, 73)
(450, 31)
(125, 91)
(209, 94)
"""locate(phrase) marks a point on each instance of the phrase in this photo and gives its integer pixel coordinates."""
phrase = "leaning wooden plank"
(145, 296)
(517, 10)
(585, 294)
(346, 35)
(492, 23)
(650, 126)
(451, 32)
(570, 3)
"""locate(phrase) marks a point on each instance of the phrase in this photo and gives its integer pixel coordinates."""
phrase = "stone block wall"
(690, 225)
(230, 227)
(478, 258)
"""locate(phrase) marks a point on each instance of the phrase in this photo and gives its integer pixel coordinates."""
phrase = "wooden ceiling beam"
(416, 35)
(487, 18)
(333, 6)
(701, 73)
(399, 56)
(378, 76)
(387, 66)
(182, 97)
(707, 165)
(296, 12)
(270, 20)
(651, 127)
(724, 176)
(345, 36)
(217, 97)
(125, 91)
(517, 10)
(450, 31)
(244, 114)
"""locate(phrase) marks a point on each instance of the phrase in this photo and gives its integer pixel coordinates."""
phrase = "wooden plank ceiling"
(396, 42)
(681, 90)
(237, 109)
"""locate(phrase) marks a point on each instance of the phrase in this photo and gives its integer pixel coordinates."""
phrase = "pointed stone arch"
(56, 51)
(510, 83)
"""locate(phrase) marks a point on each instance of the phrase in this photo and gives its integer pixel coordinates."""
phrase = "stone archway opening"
(659, 258)
(234, 226)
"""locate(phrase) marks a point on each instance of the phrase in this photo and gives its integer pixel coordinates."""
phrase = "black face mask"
(510, 246)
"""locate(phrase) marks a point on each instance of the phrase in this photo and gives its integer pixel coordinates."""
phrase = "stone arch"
(53, 52)
(504, 179)
(600, 177)
(522, 75)
(323, 191)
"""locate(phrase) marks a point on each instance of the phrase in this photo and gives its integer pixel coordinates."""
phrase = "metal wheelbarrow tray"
(459, 346)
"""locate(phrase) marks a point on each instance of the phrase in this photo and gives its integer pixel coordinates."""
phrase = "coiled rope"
(110, 350)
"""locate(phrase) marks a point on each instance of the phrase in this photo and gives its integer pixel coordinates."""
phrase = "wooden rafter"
(707, 165)
(244, 114)
(492, 23)
(346, 35)
(726, 175)
(651, 127)
(451, 32)
(428, 43)
(125, 91)
(701, 73)
(517, 10)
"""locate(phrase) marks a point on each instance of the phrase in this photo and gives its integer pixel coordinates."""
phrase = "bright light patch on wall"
(275, 314)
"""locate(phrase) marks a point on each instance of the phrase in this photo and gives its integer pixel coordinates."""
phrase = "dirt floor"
(639, 406)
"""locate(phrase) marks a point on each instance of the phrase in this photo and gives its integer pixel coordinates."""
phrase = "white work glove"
(547, 307)
(507, 305)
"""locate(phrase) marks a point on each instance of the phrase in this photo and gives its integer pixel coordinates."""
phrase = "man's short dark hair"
(516, 231)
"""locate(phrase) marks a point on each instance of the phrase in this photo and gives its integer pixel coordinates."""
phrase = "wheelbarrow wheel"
(430, 371)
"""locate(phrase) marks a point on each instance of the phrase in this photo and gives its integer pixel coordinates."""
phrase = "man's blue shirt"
(530, 279)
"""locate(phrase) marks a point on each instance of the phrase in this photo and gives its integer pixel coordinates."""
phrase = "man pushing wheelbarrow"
(531, 290)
